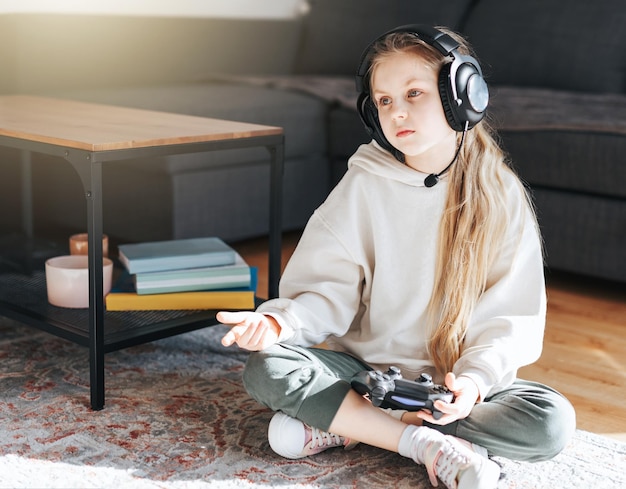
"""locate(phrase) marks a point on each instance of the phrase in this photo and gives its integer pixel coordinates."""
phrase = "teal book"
(158, 256)
(237, 275)
(123, 297)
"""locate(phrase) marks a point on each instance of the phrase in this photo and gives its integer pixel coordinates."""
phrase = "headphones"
(462, 88)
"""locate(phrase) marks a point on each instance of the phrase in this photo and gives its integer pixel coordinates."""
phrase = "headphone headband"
(434, 37)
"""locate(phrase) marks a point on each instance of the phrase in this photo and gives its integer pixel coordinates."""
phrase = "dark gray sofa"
(557, 72)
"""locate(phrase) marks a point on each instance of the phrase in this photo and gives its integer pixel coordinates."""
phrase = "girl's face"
(406, 93)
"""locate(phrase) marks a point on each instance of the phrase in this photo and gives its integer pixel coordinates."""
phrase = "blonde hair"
(474, 222)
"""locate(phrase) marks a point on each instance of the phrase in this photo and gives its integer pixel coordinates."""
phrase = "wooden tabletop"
(96, 127)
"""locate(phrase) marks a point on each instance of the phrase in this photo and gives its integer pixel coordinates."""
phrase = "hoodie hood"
(374, 159)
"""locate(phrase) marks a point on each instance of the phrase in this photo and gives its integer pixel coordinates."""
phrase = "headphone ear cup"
(473, 92)
(464, 94)
(369, 115)
(365, 108)
(447, 98)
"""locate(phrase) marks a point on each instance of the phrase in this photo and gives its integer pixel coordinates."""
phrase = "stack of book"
(184, 274)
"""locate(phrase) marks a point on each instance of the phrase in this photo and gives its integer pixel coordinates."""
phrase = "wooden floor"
(584, 354)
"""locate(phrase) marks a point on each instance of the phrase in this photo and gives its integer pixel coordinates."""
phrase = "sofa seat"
(569, 149)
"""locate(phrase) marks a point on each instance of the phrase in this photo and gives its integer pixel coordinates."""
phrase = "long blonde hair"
(474, 222)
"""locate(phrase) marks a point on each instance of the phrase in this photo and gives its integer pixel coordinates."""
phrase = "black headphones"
(462, 88)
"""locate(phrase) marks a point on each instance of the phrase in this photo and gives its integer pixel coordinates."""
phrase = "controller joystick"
(390, 390)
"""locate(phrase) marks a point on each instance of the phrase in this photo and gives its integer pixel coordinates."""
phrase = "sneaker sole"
(277, 423)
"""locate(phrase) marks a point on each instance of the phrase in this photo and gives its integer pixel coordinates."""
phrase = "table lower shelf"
(23, 297)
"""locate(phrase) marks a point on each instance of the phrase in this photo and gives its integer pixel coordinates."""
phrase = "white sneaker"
(452, 461)
(291, 438)
(482, 451)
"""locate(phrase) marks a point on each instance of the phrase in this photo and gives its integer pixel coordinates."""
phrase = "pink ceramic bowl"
(67, 280)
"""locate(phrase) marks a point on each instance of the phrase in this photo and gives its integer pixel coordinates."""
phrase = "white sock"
(406, 440)
(415, 439)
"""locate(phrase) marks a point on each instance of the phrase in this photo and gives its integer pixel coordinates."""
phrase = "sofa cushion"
(337, 31)
(575, 45)
(565, 140)
(202, 199)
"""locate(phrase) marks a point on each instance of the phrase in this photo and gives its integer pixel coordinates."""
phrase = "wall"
(181, 8)
(43, 52)
(7, 54)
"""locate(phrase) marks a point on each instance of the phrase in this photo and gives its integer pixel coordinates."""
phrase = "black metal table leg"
(90, 172)
(275, 229)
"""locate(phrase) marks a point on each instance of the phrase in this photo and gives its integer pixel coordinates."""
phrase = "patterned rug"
(176, 416)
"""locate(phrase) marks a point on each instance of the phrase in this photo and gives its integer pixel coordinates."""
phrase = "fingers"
(449, 414)
(229, 339)
(227, 317)
(253, 338)
(450, 411)
(250, 330)
(450, 381)
(232, 319)
(465, 395)
(238, 334)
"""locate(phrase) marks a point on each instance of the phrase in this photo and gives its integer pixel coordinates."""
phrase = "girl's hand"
(465, 393)
(250, 330)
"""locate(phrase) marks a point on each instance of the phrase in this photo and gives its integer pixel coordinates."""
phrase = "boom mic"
(433, 179)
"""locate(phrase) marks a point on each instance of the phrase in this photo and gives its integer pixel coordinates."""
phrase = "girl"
(425, 256)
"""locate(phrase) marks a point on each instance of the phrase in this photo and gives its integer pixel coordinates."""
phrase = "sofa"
(557, 77)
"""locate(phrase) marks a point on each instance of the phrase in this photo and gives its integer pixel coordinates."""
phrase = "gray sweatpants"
(527, 421)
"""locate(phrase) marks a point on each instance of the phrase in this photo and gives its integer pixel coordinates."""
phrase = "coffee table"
(88, 136)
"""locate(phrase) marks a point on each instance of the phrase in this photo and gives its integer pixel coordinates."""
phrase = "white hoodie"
(362, 275)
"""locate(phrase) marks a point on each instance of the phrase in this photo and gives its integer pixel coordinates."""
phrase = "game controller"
(390, 390)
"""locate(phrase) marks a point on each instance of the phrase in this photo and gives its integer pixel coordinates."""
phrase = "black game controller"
(390, 390)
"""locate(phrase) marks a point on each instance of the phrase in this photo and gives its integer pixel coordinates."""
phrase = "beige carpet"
(176, 416)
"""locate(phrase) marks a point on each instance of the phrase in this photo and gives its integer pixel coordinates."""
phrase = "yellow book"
(213, 299)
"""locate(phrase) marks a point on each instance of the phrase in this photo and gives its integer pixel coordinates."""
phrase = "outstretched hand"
(465, 393)
(250, 330)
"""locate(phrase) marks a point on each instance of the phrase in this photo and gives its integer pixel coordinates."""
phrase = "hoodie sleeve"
(507, 327)
(320, 288)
